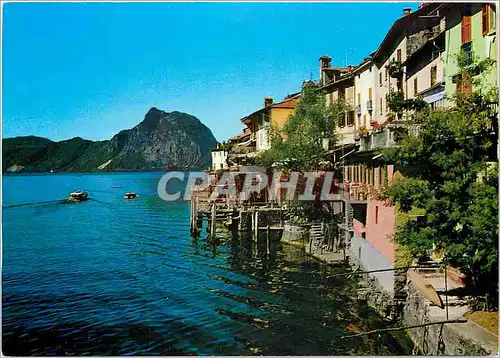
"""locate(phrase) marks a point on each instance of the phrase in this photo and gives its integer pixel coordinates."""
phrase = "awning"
(346, 148)
(434, 97)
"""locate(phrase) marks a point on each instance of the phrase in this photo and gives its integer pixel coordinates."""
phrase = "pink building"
(375, 220)
(380, 226)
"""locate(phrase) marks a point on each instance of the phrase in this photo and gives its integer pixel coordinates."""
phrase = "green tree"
(447, 174)
(299, 144)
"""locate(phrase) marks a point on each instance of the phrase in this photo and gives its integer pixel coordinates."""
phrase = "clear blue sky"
(90, 70)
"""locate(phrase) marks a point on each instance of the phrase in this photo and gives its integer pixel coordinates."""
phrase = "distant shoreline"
(102, 171)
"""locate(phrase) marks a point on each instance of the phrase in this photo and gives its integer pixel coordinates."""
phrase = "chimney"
(406, 11)
(268, 101)
(324, 62)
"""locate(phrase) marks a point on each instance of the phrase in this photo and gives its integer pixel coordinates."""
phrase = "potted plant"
(391, 116)
(363, 191)
(363, 131)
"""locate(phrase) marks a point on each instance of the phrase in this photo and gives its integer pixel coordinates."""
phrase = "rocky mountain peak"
(161, 141)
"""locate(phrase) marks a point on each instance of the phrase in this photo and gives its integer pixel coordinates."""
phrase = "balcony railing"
(358, 109)
(369, 105)
(383, 138)
(242, 149)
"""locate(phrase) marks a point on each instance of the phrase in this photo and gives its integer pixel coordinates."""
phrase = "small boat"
(130, 195)
(78, 196)
(425, 288)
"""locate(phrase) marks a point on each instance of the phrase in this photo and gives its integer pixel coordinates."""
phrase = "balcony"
(358, 110)
(383, 138)
(369, 105)
(243, 148)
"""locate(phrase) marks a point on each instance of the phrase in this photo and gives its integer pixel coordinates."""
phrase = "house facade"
(365, 76)
(338, 84)
(470, 28)
(272, 114)
(425, 71)
(219, 157)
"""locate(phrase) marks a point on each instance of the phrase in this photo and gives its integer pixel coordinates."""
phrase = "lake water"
(124, 277)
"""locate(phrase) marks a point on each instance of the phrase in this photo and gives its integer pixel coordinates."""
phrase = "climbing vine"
(397, 103)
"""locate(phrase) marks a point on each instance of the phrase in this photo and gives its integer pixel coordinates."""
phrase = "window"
(467, 49)
(380, 79)
(488, 19)
(359, 98)
(386, 73)
(376, 214)
(381, 108)
(350, 118)
(370, 93)
(398, 55)
(364, 120)
(433, 75)
(415, 87)
(342, 121)
(466, 29)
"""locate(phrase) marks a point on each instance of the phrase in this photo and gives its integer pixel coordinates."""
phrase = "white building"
(219, 158)
(365, 94)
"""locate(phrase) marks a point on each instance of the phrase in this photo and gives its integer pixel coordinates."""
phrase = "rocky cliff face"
(162, 140)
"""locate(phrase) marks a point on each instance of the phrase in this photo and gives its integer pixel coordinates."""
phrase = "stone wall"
(442, 339)
(375, 296)
(376, 288)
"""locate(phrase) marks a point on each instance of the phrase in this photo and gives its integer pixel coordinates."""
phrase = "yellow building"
(275, 114)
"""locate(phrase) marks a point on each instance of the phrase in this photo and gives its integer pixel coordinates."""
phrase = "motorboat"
(130, 195)
(78, 196)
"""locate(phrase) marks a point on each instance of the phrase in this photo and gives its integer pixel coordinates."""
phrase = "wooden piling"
(256, 227)
(240, 220)
(252, 221)
(268, 241)
(191, 217)
(212, 222)
(195, 217)
(193, 220)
